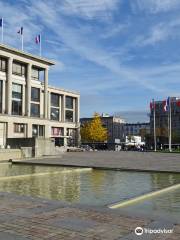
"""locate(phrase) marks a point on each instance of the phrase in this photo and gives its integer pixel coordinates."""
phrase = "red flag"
(178, 102)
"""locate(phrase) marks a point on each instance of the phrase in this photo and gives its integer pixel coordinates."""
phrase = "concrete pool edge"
(41, 163)
(143, 197)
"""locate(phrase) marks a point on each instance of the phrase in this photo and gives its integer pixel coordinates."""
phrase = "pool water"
(85, 186)
(165, 205)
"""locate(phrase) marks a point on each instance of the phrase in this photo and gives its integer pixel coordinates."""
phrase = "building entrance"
(2, 134)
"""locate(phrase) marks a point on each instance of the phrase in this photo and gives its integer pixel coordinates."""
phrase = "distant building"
(137, 129)
(114, 127)
(162, 122)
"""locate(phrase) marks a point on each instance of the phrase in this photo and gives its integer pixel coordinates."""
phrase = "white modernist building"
(29, 107)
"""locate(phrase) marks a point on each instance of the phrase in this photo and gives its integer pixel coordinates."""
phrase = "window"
(55, 106)
(54, 100)
(70, 132)
(18, 69)
(19, 127)
(35, 74)
(2, 65)
(16, 99)
(69, 116)
(35, 110)
(41, 130)
(16, 91)
(55, 114)
(1, 91)
(16, 107)
(38, 130)
(35, 94)
(69, 102)
(56, 131)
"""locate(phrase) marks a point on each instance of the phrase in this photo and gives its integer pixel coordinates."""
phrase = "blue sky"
(118, 54)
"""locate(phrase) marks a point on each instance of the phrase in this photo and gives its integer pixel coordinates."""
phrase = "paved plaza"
(139, 161)
(23, 218)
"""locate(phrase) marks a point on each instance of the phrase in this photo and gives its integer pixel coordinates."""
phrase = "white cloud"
(155, 6)
(88, 8)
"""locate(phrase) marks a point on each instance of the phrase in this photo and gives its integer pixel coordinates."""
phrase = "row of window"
(19, 69)
(39, 130)
(17, 92)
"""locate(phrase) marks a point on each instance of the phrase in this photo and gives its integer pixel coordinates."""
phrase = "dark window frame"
(35, 113)
(21, 71)
(3, 62)
(35, 94)
(69, 102)
(69, 119)
(19, 128)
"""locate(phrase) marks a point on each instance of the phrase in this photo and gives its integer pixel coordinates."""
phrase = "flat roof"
(26, 55)
(64, 90)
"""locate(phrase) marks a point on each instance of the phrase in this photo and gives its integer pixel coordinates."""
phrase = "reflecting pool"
(90, 187)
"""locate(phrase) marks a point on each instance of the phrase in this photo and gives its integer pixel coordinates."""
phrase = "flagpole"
(40, 49)
(22, 42)
(170, 127)
(154, 113)
(2, 30)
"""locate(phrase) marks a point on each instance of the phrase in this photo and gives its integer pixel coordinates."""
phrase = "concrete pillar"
(9, 85)
(65, 137)
(49, 106)
(77, 109)
(4, 97)
(45, 92)
(28, 90)
(23, 100)
(60, 107)
(63, 106)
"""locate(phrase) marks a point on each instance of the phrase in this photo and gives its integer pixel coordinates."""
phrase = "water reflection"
(92, 188)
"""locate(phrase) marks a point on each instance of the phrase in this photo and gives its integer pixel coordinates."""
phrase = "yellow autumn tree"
(94, 130)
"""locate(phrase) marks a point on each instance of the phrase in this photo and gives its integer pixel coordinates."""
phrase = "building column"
(45, 92)
(3, 96)
(28, 90)
(77, 114)
(65, 137)
(63, 106)
(9, 86)
(77, 109)
(60, 109)
(49, 106)
(23, 100)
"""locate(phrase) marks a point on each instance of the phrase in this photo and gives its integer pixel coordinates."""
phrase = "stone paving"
(136, 161)
(23, 218)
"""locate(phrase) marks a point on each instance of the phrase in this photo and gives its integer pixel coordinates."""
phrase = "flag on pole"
(38, 41)
(1, 22)
(165, 104)
(1, 26)
(20, 31)
(178, 102)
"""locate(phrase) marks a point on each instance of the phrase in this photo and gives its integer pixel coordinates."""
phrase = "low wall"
(6, 154)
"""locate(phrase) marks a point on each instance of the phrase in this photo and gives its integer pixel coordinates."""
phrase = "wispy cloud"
(88, 9)
(155, 6)
(99, 46)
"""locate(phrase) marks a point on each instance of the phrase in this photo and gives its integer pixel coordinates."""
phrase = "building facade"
(137, 129)
(29, 107)
(114, 126)
(162, 122)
